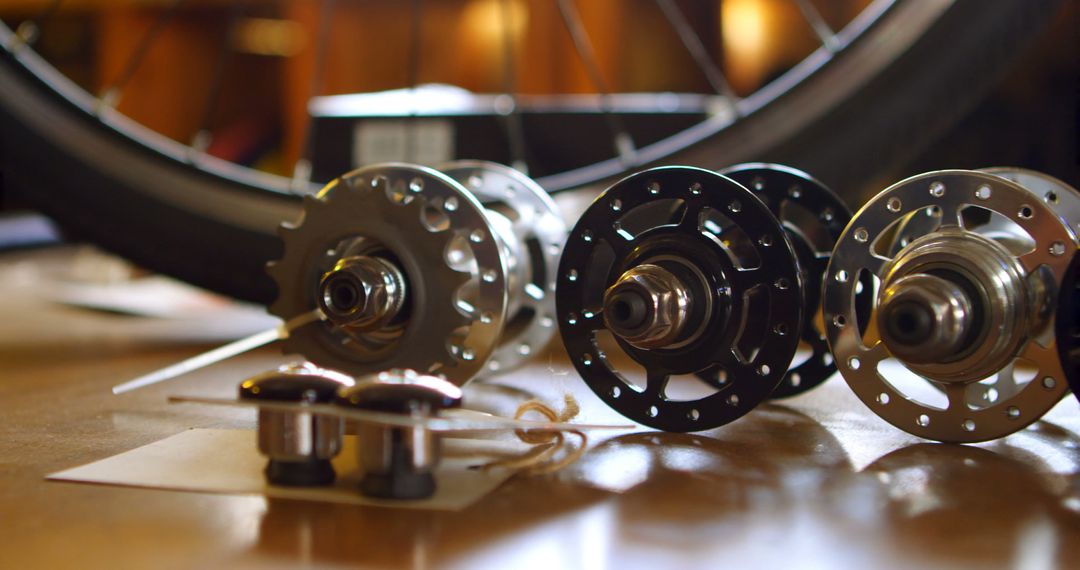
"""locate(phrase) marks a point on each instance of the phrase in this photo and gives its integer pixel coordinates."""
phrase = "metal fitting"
(988, 305)
(925, 318)
(299, 444)
(362, 292)
(399, 462)
(647, 307)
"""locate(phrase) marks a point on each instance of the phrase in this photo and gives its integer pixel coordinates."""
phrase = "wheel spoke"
(624, 144)
(110, 96)
(692, 42)
(515, 128)
(824, 33)
(200, 141)
(413, 75)
(302, 168)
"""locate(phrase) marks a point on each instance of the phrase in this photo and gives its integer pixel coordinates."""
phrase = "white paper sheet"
(227, 461)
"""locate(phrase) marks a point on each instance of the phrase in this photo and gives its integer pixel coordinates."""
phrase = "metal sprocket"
(448, 251)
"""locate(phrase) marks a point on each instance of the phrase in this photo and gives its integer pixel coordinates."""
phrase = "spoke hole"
(968, 425)
(937, 189)
(653, 411)
(983, 192)
(1025, 212)
(894, 204)
(923, 420)
(883, 398)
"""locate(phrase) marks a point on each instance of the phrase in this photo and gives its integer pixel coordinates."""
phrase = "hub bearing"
(410, 270)
(959, 306)
(691, 275)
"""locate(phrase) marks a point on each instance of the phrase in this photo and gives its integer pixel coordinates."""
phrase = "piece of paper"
(227, 461)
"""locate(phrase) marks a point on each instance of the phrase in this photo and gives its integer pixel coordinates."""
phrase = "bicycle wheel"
(840, 114)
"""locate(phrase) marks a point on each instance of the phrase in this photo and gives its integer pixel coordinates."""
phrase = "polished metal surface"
(362, 292)
(399, 462)
(532, 233)
(380, 447)
(1011, 293)
(648, 307)
(299, 436)
(999, 303)
(1061, 197)
(437, 234)
(925, 319)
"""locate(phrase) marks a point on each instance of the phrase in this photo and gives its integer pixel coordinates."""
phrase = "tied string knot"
(544, 456)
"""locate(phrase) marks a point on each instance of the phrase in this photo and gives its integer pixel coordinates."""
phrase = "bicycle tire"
(214, 227)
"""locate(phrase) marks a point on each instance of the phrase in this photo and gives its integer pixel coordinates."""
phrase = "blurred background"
(311, 89)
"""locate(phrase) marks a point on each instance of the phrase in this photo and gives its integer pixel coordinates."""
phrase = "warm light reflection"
(760, 39)
(266, 36)
(743, 25)
(488, 21)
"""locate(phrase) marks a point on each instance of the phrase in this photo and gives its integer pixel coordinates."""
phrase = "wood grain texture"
(816, 482)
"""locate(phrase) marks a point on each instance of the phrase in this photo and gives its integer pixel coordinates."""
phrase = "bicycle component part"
(959, 307)
(813, 218)
(1057, 195)
(1062, 198)
(691, 274)
(533, 234)
(409, 267)
(299, 444)
(399, 462)
(1067, 325)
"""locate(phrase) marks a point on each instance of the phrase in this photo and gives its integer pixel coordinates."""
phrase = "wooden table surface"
(815, 481)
